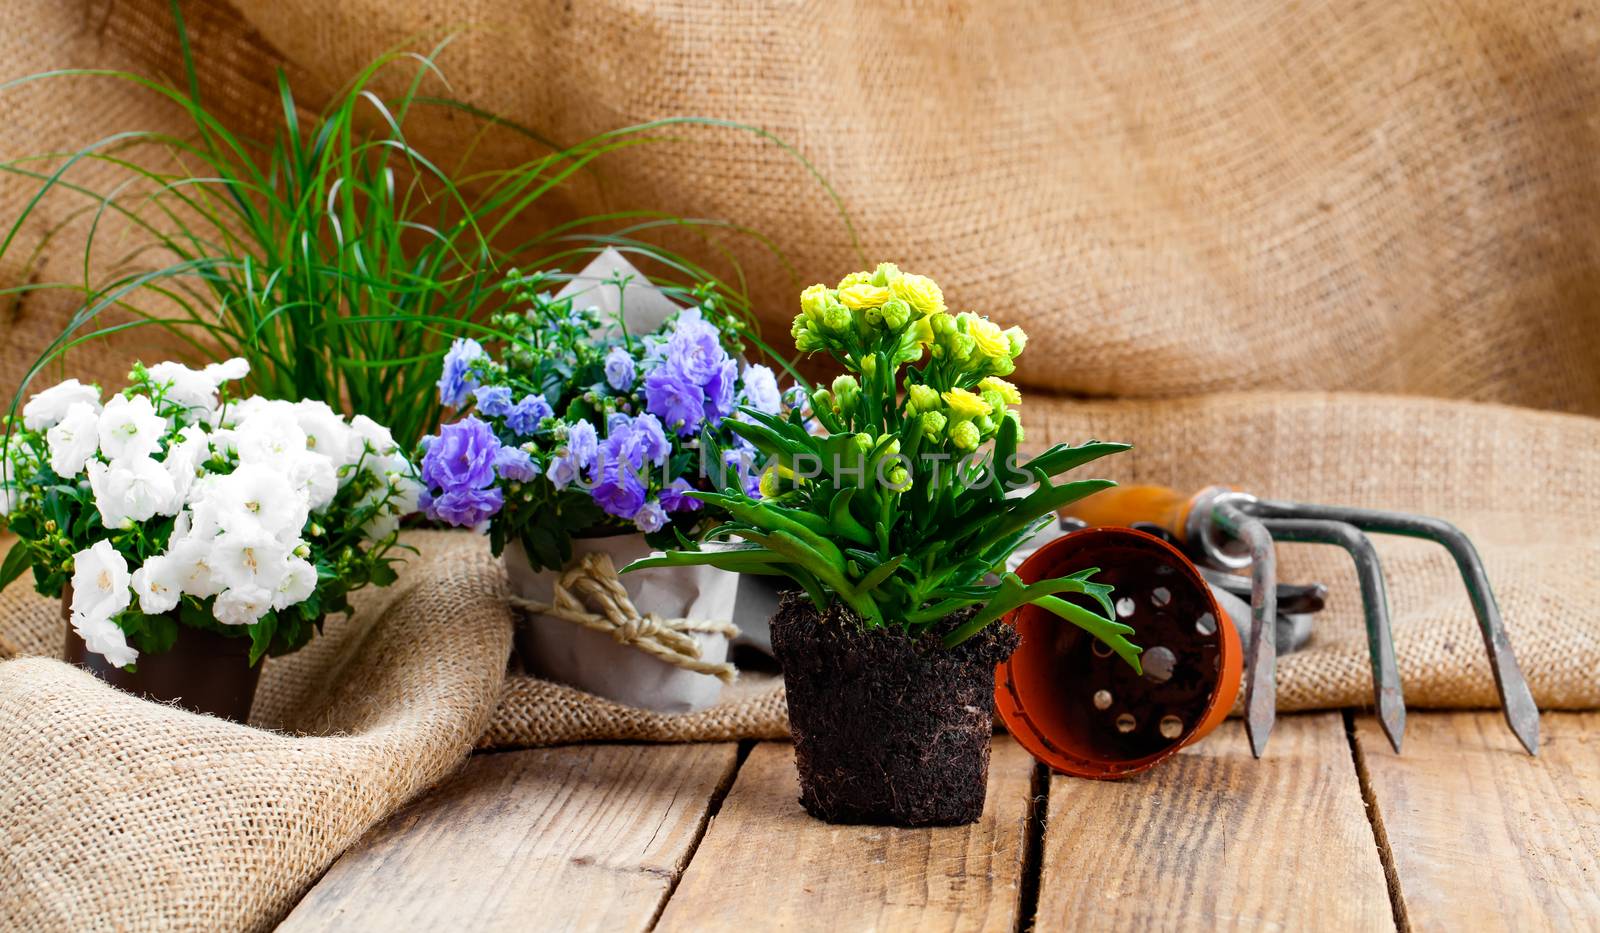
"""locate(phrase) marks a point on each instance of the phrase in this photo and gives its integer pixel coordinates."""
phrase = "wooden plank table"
(1330, 831)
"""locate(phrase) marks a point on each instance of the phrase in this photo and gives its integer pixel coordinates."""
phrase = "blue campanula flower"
(514, 463)
(563, 470)
(458, 473)
(582, 443)
(722, 392)
(651, 438)
(650, 518)
(620, 490)
(494, 401)
(619, 369)
(525, 416)
(675, 497)
(695, 350)
(457, 381)
(679, 403)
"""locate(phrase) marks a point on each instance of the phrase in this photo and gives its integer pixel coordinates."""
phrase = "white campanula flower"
(270, 435)
(184, 458)
(159, 583)
(228, 370)
(100, 590)
(130, 427)
(192, 389)
(103, 637)
(314, 479)
(377, 437)
(242, 605)
(298, 583)
(249, 558)
(251, 496)
(131, 489)
(191, 565)
(327, 434)
(46, 409)
(74, 439)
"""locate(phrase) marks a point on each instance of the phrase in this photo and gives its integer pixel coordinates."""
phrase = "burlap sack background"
(1293, 247)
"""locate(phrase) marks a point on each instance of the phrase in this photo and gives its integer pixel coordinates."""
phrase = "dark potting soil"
(887, 729)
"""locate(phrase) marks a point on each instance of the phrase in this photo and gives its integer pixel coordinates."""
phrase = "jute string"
(590, 593)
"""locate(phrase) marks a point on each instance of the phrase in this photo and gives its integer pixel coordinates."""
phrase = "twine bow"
(590, 593)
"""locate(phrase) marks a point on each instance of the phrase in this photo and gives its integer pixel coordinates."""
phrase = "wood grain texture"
(582, 838)
(764, 864)
(1213, 839)
(1482, 836)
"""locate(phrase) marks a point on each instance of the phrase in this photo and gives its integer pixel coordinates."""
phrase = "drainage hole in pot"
(1206, 624)
(1158, 664)
(1100, 649)
(1125, 607)
(1102, 699)
(1160, 596)
(1126, 722)
(1171, 727)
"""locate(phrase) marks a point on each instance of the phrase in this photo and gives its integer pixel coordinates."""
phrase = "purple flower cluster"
(644, 395)
(695, 381)
(458, 474)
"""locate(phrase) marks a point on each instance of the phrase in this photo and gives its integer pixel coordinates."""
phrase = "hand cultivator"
(1224, 529)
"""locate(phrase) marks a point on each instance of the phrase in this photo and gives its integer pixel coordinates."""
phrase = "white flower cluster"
(241, 481)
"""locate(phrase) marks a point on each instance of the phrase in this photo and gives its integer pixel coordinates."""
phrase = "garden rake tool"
(1226, 529)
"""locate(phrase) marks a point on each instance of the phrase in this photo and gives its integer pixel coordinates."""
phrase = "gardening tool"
(1230, 530)
(1067, 699)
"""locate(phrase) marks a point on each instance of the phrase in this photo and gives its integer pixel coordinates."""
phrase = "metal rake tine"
(1261, 684)
(1521, 713)
(1387, 694)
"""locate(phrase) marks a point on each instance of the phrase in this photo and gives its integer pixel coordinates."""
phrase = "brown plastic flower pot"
(1081, 709)
(888, 730)
(203, 672)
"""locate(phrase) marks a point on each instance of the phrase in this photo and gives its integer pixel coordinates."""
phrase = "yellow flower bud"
(836, 318)
(922, 397)
(965, 405)
(895, 313)
(1017, 339)
(920, 292)
(885, 274)
(769, 482)
(855, 278)
(964, 435)
(813, 300)
(1008, 392)
(933, 424)
(847, 390)
(857, 297)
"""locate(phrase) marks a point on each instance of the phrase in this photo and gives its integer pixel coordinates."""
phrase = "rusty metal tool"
(1230, 530)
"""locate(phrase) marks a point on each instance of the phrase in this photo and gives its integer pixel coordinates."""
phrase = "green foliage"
(339, 258)
(905, 501)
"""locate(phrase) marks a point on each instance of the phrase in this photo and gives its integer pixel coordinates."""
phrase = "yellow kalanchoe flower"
(863, 295)
(965, 405)
(1008, 392)
(991, 340)
(920, 292)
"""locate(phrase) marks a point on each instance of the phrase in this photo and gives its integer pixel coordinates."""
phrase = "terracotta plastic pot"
(887, 729)
(203, 672)
(1081, 709)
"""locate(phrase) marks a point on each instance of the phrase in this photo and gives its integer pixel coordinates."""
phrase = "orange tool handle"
(1124, 505)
